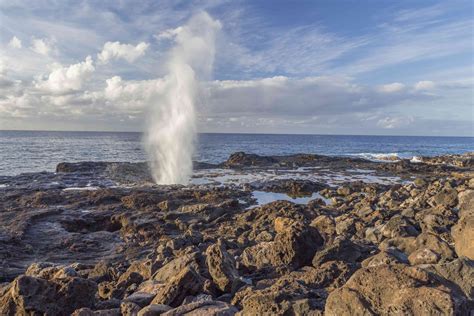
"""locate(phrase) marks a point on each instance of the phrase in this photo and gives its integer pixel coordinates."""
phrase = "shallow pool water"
(263, 197)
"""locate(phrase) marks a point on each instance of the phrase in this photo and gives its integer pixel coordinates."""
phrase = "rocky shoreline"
(99, 238)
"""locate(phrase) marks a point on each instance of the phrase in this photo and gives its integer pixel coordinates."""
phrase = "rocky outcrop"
(221, 266)
(294, 246)
(393, 289)
(398, 246)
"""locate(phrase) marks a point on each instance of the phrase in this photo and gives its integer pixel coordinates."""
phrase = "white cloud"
(15, 42)
(67, 79)
(391, 122)
(424, 85)
(116, 50)
(392, 87)
(43, 46)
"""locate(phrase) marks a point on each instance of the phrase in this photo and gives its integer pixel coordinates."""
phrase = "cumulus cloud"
(15, 42)
(424, 85)
(116, 50)
(43, 46)
(67, 79)
(392, 87)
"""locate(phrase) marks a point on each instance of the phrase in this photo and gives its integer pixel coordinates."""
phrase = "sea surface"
(33, 151)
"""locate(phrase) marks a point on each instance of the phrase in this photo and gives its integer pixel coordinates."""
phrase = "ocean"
(35, 151)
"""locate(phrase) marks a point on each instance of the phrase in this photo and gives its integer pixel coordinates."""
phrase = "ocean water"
(33, 151)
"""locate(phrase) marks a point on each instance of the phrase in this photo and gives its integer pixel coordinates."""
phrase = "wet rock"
(344, 190)
(241, 159)
(221, 266)
(392, 289)
(294, 188)
(463, 235)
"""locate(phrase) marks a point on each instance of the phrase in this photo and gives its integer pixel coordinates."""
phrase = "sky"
(374, 67)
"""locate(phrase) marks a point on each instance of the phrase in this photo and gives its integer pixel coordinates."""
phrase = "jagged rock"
(128, 308)
(389, 256)
(404, 244)
(282, 298)
(140, 298)
(104, 312)
(340, 249)
(466, 203)
(393, 289)
(154, 310)
(463, 235)
(459, 273)
(50, 297)
(203, 308)
(326, 226)
(294, 246)
(185, 283)
(221, 266)
(423, 256)
(398, 226)
(434, 244)
(447, 198)
(175, 266)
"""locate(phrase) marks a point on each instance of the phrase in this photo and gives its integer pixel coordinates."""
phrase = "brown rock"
(154, 310)
(466, 202)
(175, 266)
(423, 256)
(463, 235)
(294, 247)
(187, 282)
(392, 289)
(51, 297)
(203, 308)
(221, 266)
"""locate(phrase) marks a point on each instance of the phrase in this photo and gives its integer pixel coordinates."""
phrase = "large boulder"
(172, 268)
(185, 283)
(284, 297)
(30, 295)
(463, 235)
(466, 203)
(294, 246)
(340, 249)
(221, 266)
(393, 289)
(203, 308)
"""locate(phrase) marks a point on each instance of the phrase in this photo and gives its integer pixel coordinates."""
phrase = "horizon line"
(236, 133)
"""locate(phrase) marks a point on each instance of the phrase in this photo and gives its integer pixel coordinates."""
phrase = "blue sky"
(331, 67)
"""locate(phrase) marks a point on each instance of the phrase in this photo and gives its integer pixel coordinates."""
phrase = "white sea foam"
(171, 132)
